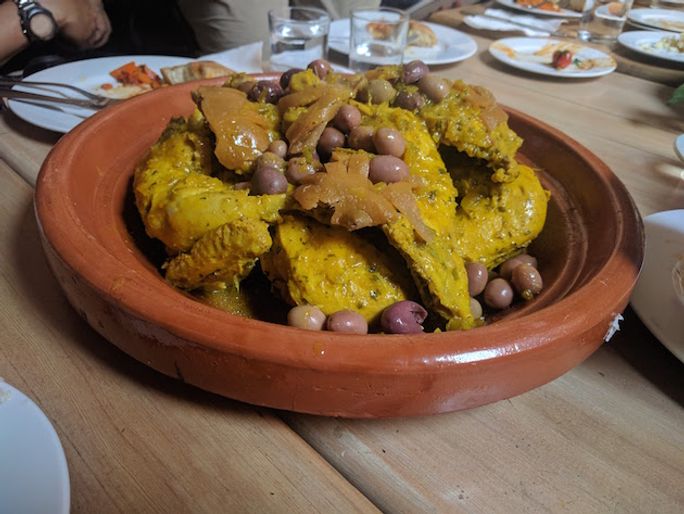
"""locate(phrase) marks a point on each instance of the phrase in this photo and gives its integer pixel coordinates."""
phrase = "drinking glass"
(603, 20)
(377, 37)
(298, 35)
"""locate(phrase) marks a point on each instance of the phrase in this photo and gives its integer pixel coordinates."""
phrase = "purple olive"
(298, 169)
(414, 71)
(405, 317)
(527, 281)
(498, 294)
(306, 316)
(268, 91)
(287, 76)
(361, 138)
(506, 269)
(435, 88)
(389, 141)
(410, 101)
(477, 277)
(347, 118)
(347, 321)
(278, 147)
(387, 168)
(320, 67)
(330, 139)
(268, 181)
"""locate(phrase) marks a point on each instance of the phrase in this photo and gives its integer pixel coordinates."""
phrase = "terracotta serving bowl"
(590, 253)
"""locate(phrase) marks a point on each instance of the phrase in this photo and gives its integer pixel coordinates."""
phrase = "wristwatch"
(37, 23)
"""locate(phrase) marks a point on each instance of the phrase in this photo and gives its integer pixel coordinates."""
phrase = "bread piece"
(194, 70)
(419, 34)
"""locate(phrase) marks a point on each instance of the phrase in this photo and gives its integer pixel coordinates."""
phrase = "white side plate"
(642, 41)
(33, 470)
(563, 13)
(655, 298)
(663, 19)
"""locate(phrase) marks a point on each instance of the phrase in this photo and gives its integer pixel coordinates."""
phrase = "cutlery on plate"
(6, 80)
(91, 103)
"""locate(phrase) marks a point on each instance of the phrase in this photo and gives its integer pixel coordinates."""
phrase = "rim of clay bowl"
(145, 294)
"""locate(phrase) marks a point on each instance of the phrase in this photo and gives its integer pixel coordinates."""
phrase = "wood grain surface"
(605, 437)
(136, 441)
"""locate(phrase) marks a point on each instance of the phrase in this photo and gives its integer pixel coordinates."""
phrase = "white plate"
(563, 13)
(642, 41)
(88, 74)
(452, 45)
(663, 19)
(654, 298)
(33, 470)
(524, 53)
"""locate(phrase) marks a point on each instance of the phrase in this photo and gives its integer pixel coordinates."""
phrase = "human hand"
(84, 22)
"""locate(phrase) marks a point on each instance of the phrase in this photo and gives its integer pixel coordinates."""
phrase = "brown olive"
(409, 100)
(527, 281)
(347, 321)
(278, 147)
(477, 277)
(268, 181)
(435, 88)
(287, 76)
(320, 67)
(475, 308)
(387, 168)
(242, 185)
(347, 118)
(378, 91)
(498, 294)
(414, 71)
(330, 139)
(246, 86)
(268, 91)
(506, 269)
(388, 141)
(298, 169)
(271, 160)
(361, 138)
(308, 317)
(405, 317)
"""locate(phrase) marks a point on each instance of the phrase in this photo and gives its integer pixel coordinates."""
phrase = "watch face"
(42, 26)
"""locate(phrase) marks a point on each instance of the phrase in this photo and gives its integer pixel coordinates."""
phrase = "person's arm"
(83, 22)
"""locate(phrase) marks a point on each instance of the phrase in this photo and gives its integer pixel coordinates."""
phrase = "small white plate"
(88, 74)
(563, 13)
(534, 55)
(643, 41)
(663, 19)
(33, 470)
(452, 45)
(655, 298)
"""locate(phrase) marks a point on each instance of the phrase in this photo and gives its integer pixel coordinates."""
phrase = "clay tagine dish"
(590, 252)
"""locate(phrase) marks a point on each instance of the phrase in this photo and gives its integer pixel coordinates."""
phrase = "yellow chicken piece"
(333, 269)
(179, 202)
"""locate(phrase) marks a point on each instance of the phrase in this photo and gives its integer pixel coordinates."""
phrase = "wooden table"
(607, 436)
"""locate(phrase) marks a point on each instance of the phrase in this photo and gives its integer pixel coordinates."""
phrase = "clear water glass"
(377, 37)
(603, 20)
(298, 35)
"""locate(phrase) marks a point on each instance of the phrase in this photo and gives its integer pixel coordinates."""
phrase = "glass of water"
(377, 37)
(299, 35)
(603, 20)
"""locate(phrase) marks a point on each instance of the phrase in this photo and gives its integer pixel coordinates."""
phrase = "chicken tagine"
(389, 201)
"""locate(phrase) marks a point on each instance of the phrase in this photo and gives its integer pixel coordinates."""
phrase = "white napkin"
(533, 26)
(245, 58)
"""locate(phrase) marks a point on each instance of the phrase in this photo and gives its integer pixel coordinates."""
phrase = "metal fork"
(91, 100)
